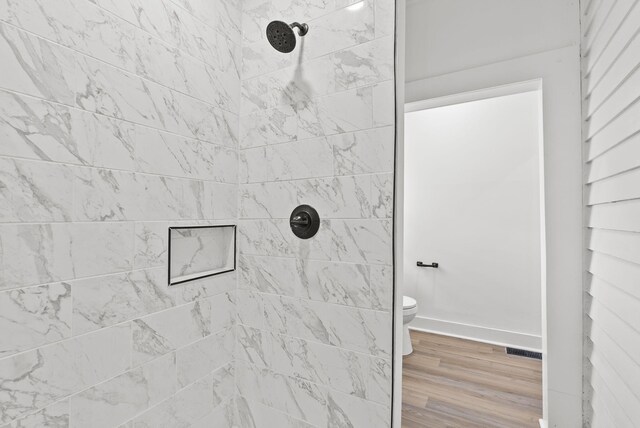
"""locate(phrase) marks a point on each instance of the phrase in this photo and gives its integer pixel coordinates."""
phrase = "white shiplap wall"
(611, 108)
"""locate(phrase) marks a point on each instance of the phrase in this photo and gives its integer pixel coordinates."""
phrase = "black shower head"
(281, 35)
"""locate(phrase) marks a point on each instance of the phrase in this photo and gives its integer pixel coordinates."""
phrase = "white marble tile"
(296, 397)
(101, 248)
(361, 241)
(170, 23)
(259, 57)
(163, 332)
(252, 414)
(119, 399)
(249, 309)
(350, 328)
(338, 30)
(222, 311)
(253, 168)
(254, 346)
(92, 31)
(286, 87)
(381, 287)
(339, 197)
(346, 371)
(213, 286)
(53, 252)
(342, 283)
(54, 416)
(274, 237)
(190, 404)
(364, 152)
(168, 154)
(269, 126)
(35, 191)
(168, 198)
(281, 88)
(385, 15)
(309, 124)
(150, 244)
(34, 379)
(354, 67)
(363, 64)
(223, 416)
(346, 111)
(200, 358)
(36, 129)
(220, 201)
(275, 275)
(137, 103)
(34, 316)
(379, 386)
(35, 254)
(339, 369)
(382, 195)
(104, 195)
(81, 81)
(347, 410)
(107, 300)
(24, 58)
(384, 107)
(300, 159)
(221, 15)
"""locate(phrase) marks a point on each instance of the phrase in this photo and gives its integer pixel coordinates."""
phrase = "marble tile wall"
(118, 119)
(314, 323)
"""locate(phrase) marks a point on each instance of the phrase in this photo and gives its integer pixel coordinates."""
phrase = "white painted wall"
(444, 36)
(472, 203)
(611, 89)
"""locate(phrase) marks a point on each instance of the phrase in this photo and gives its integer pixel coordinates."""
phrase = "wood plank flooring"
(455, 383)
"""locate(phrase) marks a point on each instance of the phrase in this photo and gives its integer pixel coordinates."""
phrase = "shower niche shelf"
(197, 252)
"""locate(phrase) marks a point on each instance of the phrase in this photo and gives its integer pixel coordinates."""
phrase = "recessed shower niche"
(197, 252)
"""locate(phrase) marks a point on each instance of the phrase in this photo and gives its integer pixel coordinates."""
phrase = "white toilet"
(409, 310)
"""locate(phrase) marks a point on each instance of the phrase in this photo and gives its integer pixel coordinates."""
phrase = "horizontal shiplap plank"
(625, 275)
(615, 64)
(624, 126)
(620, 158)
(621, 99)
(617, 329)
(620, 187)
(589, 10)
(623, 245)
(616, 410)
(621, 391)
(601, 417)
(617, 357)
(595, 21)
(625, 305)
(595, 43)
(616, 216)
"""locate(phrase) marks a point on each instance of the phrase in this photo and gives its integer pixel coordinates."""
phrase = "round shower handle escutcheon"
(304, 221)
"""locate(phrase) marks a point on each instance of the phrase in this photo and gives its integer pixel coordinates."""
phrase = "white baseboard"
(543, 423)
(481, 334)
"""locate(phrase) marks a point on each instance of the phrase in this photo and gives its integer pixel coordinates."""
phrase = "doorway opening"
(473, 258)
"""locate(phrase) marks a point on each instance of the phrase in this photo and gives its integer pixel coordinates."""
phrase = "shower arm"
(302, 28)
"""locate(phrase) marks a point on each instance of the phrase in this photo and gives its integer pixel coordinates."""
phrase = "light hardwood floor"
(450, 382)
